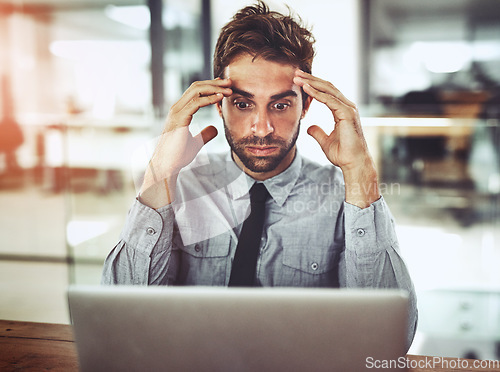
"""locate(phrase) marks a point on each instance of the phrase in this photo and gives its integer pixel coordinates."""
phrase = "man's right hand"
(176, 147)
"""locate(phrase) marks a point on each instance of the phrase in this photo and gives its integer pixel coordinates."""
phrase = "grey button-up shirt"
(311, 236)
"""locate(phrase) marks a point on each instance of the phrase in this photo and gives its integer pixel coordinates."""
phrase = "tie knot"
(258, 193)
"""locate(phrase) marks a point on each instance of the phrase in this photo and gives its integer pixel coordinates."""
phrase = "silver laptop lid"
(236, 329)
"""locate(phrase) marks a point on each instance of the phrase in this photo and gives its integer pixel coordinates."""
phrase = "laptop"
(126, 328)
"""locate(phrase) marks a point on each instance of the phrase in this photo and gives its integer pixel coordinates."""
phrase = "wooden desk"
(41, 346)
(37, 346)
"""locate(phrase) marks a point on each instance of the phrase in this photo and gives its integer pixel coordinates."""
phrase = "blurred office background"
(85, 84)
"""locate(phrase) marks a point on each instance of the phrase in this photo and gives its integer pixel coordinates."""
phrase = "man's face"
(262, 116)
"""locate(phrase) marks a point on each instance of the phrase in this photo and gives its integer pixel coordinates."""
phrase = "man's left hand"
(345, 146)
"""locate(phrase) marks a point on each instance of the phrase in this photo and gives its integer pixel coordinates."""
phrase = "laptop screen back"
(236, 329)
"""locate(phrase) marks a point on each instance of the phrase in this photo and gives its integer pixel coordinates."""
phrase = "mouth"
(262, 150)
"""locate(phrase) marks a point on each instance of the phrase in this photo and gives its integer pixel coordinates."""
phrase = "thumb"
(202, 138)
(318, 134)
(208, 134)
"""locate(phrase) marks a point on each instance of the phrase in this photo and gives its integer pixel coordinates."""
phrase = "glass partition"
(114, 118)
(432, 88)
(76, 101)
(78, 80)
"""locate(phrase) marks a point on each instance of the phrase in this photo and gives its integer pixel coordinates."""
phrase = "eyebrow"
(242, 92)
(287, 93)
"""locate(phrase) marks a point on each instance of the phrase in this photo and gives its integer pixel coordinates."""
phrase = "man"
(322, 226)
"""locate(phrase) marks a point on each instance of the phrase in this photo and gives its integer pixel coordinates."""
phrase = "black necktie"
(247, 250)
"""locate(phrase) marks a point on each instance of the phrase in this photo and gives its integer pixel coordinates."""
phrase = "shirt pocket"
(310, 265)
(204, 263)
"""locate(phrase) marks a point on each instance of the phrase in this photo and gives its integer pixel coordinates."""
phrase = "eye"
(242, 105)
(281, 106)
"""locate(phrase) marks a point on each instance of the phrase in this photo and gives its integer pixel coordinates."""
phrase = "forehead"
(260, 77)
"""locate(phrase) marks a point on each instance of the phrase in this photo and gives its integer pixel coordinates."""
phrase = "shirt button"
(314, 266)
(150, 231)
(360, 232)
(197, 248)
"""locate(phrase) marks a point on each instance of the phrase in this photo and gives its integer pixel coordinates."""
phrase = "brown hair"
(263, 33)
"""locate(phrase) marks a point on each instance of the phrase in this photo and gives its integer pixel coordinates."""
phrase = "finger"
(208, 134)
(325, 87)
(201, 101)
(200, 91)
(208, 89)
(218, 82)
(318, 83)
(319, 135)
(182, 116)
(203, 89)
(302, 78)
(331, 101)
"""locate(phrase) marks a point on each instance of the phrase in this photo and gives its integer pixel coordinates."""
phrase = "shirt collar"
(279, 186)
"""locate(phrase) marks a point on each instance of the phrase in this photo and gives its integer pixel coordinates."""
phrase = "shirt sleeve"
(143, 255)
(372, 258)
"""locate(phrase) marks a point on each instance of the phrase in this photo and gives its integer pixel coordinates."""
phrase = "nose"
(262, 125)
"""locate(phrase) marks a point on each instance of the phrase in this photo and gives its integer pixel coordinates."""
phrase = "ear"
(219, 108)
(305, 107)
